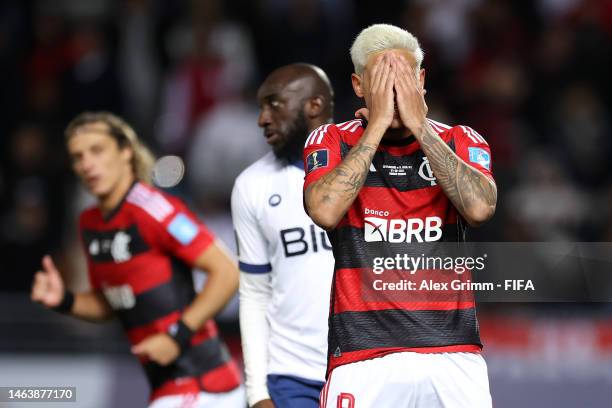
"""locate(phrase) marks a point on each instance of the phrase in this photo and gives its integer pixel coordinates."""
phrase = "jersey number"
(346, 400)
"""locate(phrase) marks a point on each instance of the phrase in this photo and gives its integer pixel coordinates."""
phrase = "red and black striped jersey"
(140, 257)
(399, 210)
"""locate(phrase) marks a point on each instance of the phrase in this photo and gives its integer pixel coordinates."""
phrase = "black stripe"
(398, 142)
(352, 251)
(354, 331)
(194, 362)
(111, 214)
(402, 173)
(99, 244)
(161, 300)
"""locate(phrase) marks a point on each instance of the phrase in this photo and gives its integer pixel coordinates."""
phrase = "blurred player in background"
(285, 260)
(383, 187)
(141, 245)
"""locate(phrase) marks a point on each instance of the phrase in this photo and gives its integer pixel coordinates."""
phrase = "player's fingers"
(409, 72)
(400, 84)
(362, 113)
(390, 80)
(139, 349)
(49, 265)
(374, 74)
(39, 286)
(402, 79)
(384, 73)
(375, 77)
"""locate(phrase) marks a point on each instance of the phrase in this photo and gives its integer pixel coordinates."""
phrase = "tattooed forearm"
(329, 198)
(471, 192)
(344, 182)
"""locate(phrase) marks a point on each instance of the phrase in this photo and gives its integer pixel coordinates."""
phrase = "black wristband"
(182, 334)
(65, 305)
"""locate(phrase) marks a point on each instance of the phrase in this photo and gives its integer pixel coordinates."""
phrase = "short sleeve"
(185, 236)
(250, 240)
(321, 153)
(473, 149)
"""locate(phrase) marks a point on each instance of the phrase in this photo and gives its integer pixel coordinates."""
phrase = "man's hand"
(410, 97)
(267, 403)
(362, 113)
(381, 91)
(48, 286)
(160, 348)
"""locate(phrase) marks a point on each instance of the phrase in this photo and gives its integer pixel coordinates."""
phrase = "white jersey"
(286, 266)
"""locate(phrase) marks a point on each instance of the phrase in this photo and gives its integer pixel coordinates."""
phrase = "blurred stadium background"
(532, 76)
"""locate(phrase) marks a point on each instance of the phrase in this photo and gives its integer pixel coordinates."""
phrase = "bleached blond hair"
(380, 37)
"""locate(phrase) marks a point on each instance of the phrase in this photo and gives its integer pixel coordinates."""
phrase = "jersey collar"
(398, 142)
(109, 216)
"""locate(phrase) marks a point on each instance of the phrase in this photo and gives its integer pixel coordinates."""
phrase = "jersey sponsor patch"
(480, 156)
(316, 160)
(183, 229)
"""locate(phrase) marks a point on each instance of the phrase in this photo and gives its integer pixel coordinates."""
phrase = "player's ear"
(314, 107)
(357, 81)
(127, 153)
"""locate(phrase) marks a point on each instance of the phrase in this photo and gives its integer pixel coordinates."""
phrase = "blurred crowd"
(531, 76)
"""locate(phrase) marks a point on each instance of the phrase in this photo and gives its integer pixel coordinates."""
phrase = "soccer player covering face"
(397, 182)
(141, 245)
(286, 262)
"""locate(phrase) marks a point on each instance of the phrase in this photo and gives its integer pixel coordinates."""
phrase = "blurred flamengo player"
(141, 245)
(395, 184)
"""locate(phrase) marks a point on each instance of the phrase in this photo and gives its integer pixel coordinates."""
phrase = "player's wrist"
(65, 305)
(379, 123)
(181, 334)
(419, 129)
(375, 131)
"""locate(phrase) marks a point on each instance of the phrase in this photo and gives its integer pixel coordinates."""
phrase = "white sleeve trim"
(255, 293)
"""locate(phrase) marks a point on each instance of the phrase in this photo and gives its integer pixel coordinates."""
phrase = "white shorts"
(410, 380)
(232, 399)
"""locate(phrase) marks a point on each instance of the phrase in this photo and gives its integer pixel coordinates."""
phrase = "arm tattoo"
(465, 186)
(342, 184)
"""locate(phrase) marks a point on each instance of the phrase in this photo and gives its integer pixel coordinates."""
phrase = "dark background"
(531, 76)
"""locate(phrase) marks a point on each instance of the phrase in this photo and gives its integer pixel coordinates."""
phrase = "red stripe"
(310, 136)
(524, 334)
(222, 379)
(604, 334)
(325, 392)
(161, 325)
(138, 334)
(354, 356)
(207, 331)
(354, 292)
(503, 333)
(354, 127)
(440, 125)
(421, 203)
(184, 387)
(143, 272)
(435, 127)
